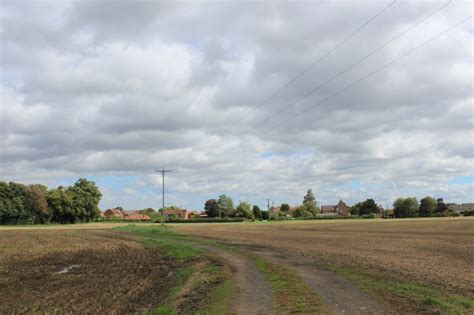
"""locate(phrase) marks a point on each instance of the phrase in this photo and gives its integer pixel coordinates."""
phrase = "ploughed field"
(438, 253)
(72, 271)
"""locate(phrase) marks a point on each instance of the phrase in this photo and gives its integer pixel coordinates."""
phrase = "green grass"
(289, 291)
(426, 298)
(210, 278)
(164, 238)
(221, 300)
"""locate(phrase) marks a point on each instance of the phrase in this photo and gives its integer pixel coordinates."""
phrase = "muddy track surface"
(338, 293)
(252, 295)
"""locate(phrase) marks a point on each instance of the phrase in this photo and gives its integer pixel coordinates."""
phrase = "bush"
(469, 213)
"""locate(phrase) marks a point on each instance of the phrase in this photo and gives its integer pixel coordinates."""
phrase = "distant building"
(178, 213)
(461, 208)
(135, 215)
(114, 213)
(276, 210)
(340, 209)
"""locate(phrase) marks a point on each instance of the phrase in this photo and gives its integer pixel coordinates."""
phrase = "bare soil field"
(51, 271)
(435, 252)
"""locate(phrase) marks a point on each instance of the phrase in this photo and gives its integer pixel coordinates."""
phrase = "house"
(193, 214)
(137, 217)
(461, 208)
(276, 210)
(178, 213)
(114, 213)
(340, 209)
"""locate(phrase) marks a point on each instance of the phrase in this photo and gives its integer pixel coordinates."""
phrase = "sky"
(257, 100)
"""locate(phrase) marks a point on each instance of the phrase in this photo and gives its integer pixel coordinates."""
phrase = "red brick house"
(114, 213)
(340, 209)
(179, 213)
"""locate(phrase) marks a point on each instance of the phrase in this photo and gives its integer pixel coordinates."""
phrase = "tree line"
(223, 207)
(427, 207)
(36, 204)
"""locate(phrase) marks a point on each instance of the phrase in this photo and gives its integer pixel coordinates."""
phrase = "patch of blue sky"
(111, 181)
(469, 179)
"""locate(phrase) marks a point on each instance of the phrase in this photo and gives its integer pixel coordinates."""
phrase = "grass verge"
(408, 296)
(290, 293)
(203, 285)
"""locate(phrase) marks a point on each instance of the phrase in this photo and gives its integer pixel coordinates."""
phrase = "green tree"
(60, 205)
(406, 207)
(306, 210)
(368, 207)
(355, 209)
(257, 213)
(36, 204)
(86, 196)
(441, 208)
(428, 206)
(226, 205)
(212, 208)
(285, 208)
(309, 197)
(8, 212)
(264, 214)
(243, 210)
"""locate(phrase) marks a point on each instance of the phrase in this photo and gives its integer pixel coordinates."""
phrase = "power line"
(372, 73)
(313, 64)
(356, 63)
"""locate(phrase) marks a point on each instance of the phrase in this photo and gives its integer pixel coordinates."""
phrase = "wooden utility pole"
(268, 207)
(163, 171)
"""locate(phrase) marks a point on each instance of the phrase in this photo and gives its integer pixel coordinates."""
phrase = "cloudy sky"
(380, 102)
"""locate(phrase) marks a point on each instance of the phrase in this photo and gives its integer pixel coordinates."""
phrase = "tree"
(355, 209)
(211, 208)
(60, 205)
(285, 208)
(428, 206)
(264, 214)
(243, 210)
(309, 198)
(257, 213)
(36, 204)
(306, 210)
(8, 211)
(226, 205)
(405, 207)
(85, 197)
(441, 207)
(368, 207)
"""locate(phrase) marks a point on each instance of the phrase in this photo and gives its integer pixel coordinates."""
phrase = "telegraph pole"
(163, 171)
(268, 207)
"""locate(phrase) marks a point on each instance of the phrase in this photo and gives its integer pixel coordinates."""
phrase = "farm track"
(251, 295)
(338, 293)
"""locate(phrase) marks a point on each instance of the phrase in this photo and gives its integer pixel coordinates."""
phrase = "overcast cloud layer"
(111, 90)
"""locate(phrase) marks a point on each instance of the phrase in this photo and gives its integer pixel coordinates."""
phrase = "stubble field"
(72, 271)
(438, 253)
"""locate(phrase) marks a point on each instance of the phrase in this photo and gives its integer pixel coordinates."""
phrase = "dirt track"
(338, 293)
(252, 295)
